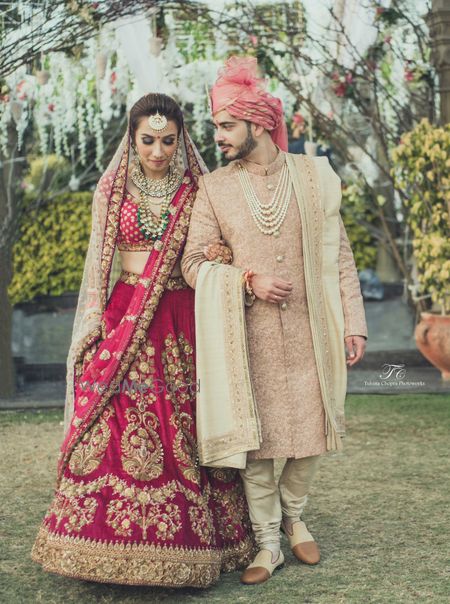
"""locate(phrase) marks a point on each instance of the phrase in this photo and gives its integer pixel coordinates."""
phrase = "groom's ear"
(257, 129)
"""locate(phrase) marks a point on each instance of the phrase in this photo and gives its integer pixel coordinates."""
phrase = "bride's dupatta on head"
(97, 362)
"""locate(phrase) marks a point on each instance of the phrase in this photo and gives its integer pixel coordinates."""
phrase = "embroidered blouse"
(130, 236)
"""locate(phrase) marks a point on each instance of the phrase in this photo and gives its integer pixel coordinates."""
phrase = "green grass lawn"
(380, 512)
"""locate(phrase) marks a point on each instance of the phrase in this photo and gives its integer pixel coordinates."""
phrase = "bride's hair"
(155, 103)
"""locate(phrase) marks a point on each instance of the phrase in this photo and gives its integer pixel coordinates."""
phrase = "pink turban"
(240, 91)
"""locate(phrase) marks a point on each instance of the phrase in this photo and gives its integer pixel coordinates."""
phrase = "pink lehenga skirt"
(134, 507)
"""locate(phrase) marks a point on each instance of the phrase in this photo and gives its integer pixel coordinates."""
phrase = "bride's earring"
(136, 162)
(174, 162)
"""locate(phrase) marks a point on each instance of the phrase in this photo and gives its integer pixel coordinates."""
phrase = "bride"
(132, 505)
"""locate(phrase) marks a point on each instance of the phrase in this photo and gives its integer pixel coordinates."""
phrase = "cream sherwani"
(283, 367)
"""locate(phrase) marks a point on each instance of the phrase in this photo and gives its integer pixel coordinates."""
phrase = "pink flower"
(340, 89)
(380, 10)
(22, 96)
(409, 75)
(254, 40)
(51, 107)
(388, 39)
(113, 77)
(349, 78)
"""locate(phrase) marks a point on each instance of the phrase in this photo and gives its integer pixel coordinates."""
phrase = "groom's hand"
(271, 289)
(356, 345)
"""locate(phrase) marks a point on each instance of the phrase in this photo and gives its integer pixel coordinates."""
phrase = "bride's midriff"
(134, 262)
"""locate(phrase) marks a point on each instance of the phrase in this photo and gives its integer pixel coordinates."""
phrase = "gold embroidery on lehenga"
(179, 369)
(131, 505)
(89, 452)
(201, 523)
(142, 450)
(185, 446)
(142, 508)
(141, 373)
(232, 508)
(78, 513)
(137, 563)
(179, 376)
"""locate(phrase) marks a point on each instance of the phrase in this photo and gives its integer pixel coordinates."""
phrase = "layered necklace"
(270, 216)
(152, 226)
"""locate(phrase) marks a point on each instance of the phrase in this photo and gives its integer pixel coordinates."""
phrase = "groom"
(279, 214)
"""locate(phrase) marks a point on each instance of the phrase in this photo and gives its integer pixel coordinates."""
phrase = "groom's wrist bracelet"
(247, 277)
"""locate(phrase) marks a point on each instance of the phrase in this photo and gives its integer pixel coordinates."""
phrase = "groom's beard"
(245, 148)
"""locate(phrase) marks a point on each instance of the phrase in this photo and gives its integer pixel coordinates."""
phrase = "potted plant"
(421, 173)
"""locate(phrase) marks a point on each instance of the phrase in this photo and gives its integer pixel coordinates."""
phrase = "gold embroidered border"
(112, 223)
(136, 564)
(173, 283)
(89, 341)
(141, 246)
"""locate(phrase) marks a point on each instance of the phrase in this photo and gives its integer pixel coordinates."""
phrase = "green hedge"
(49, 254)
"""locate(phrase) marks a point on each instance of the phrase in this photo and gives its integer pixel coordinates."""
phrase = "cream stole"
(226, 416)
(318, 192)
(227, 419)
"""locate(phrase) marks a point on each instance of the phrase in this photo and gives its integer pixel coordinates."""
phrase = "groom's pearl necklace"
(270, 216)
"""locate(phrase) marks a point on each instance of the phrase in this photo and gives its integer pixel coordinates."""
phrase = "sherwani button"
(284, 306)
(270, 187)
(280, 258)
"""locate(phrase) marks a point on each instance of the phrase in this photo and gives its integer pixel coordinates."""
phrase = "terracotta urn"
(433, 340)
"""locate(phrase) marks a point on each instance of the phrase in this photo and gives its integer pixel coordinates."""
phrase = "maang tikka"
(158, 122)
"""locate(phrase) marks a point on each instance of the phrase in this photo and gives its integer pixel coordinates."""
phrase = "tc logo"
(396, 372)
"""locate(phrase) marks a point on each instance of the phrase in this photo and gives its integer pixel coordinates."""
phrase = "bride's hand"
(218, 252)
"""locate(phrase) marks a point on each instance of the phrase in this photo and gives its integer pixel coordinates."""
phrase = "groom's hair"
(153, 103)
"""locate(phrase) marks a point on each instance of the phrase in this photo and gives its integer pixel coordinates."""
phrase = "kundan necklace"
(152, 226)
(270, 216)
(155, 187)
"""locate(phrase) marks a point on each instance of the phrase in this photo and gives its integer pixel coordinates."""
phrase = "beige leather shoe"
(261, 568)
(302, 543)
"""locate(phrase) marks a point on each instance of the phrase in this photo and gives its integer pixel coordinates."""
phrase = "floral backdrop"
(357, 91)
